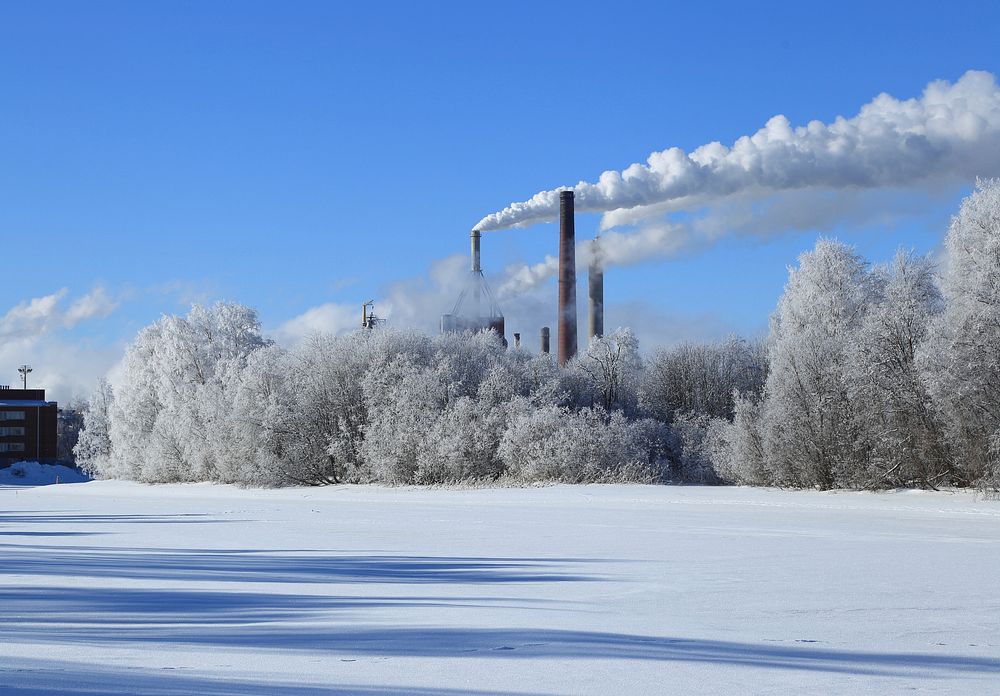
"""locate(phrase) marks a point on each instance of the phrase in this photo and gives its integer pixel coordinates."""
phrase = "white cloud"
(32, 317)
(329, 318)
(35, 332)
(95, 304)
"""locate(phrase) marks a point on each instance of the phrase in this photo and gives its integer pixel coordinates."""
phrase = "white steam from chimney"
(952, 132)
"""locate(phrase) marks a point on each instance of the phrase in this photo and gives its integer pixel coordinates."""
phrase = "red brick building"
(27, 426)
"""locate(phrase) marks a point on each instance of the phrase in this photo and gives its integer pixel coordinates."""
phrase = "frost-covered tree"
(463, 442)
(403, 402)
(462, 360)
(689, 448)
(809, 427)
(701, 378)
(890, 399)
(257, 443)
(610, 370)
(961, 357)
(736, 449)
(552, 443)
(93, 447)
(160, 430)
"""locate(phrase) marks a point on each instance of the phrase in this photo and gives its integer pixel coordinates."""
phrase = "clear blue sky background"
(289, 154)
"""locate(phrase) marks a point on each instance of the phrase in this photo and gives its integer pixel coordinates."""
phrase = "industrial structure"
(28, 426)
(566, 336)
(368, 318)
(476, 308)
(595, 286)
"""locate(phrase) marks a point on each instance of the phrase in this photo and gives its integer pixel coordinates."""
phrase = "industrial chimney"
(545, 340)
(476, 237)
(595, 283)
(477, 273)
(567, 280)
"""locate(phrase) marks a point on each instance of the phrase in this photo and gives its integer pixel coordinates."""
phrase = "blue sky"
(294, 155)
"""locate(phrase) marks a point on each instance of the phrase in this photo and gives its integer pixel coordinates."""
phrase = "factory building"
(477, 309)
(28, 426)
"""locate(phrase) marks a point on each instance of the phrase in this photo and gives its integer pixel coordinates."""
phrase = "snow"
(121, 588)
(35, 474)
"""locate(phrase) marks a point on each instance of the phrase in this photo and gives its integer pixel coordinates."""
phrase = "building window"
(7, 431)
(11, 446)
(11, 415)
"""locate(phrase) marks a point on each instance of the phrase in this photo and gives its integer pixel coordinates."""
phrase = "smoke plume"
(951, 133)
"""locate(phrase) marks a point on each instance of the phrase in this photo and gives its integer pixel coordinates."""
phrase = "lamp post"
(24, 370)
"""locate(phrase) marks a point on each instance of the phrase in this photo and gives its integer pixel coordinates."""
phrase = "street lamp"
(24, 370)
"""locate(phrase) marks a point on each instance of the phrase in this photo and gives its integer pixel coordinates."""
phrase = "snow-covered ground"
(116, 588)
(35, 474)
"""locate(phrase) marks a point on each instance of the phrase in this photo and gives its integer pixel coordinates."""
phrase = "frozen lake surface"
(119, 588)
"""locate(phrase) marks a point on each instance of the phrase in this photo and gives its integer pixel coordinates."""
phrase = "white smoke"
(663, 239)
(952, 132)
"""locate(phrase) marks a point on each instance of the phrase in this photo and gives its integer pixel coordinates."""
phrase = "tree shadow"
(239, 565)
(330, 625)
(48, 534)
(93, 609)
(76, 518)
(37, 677)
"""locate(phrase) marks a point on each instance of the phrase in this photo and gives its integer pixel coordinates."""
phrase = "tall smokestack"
(476, 253)
(545, 339)
(595, 284)
(567, 280)
(477, 273)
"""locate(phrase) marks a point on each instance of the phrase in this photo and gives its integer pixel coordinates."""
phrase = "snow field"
(121, 588)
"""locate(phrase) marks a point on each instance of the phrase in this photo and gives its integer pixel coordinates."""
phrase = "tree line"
(870, 377)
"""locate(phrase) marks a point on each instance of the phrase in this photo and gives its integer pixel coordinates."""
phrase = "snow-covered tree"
(809, 424)
(403, 402)
(159, 429)
(93, 447)
(736, 449)
(961, 357)
(552, 443)
(611, 368)
(702, 378)
(889, 395)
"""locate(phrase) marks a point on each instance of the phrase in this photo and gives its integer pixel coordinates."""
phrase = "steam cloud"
(952, 132)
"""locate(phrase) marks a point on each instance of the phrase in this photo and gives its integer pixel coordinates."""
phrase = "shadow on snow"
(46, 677)
(237, 565)
(320, 624)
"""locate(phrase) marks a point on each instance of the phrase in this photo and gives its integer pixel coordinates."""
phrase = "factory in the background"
(477, 309)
